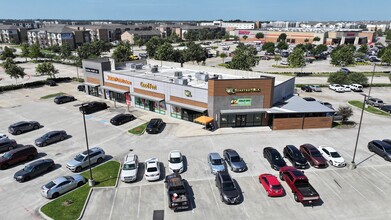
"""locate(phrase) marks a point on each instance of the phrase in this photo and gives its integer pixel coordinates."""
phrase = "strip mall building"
(232, 98)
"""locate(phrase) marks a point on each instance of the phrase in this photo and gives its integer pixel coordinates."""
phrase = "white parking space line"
(139, 202)
(328, 186)
(214, 196)
(381, 173)
(261, 189)
(352, 186)
(112, 206)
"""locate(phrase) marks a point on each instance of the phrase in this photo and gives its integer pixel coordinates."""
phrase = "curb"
(384, 116)
(85, 203)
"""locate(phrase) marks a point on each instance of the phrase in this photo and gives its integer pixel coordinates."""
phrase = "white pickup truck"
(337, 87)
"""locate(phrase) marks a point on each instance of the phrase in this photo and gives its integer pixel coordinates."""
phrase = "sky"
(251, 10)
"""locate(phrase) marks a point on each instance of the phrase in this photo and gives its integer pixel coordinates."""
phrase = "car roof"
(231, 152)
(272, 179)
(59, 180)
(18, 123)
(130, 158)
(40, 162)
(215, 156)
(175, 153)
(152, 162)
(225, 175)
(309, 146)
(92, 150)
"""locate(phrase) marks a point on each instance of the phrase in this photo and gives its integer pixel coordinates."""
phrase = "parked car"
(229, 193)
(154, 126)
(175, 161)
(381, 148)
(295, 157)
(356, 87)
(177, 192)
(152, 169)
(301, 188)
(360, 60)
(96, 155)
(316, 88)
(51, 137)
(61, 185)
(274, 158)
(64, 99)
(332, 156)
(17, 155)
(121, 119)
(344, 70)
(337, 117)
(7, 144)
(327, 104)
(271, 184)
(216, 163)
(81, 88)
(346, 88)
(309, 99)
(51, 82)
(233, 159)
(3, 136)
(374, 59)
(313, 156)
(92, 107)
(34, 169)
(23, 126)
(374, 102)
(284, 63)
(386, 108)
(336, 88)
(306, 89)
(129, 168)
(265, 58)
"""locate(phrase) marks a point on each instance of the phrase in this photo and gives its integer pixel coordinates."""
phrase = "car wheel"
(296, 197)
(55, 195)
(18, 132)
(385, 158)
(4, 166)
(30, 157)
(100, 159)
(78, 169)
(311, 163)
(330, 162)
(79, 184)
(49, 168)
(27, 178)
(119, 123)
(36, 127)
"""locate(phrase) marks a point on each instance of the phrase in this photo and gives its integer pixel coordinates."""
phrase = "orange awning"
(203, 120)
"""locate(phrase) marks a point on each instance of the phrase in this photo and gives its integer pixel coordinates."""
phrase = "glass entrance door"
(151, 106)
(240, 121)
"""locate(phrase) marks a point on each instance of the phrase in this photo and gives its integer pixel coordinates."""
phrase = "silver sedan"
(61, 185)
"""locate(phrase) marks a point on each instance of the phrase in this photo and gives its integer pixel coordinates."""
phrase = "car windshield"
(276, 187)
(28, 168)
(235, 159)
(296, 155)
(7, 155)
(151, 169)
(315, 154)
(127, 166)
(388, 150)
(228, 186)
(217, 162)
(175, 160)
(50, 185)
(335, 154)
(79, 158)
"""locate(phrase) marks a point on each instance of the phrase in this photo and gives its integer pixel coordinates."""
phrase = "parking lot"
(358, 194)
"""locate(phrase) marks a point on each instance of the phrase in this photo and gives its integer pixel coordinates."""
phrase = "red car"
(271, 185)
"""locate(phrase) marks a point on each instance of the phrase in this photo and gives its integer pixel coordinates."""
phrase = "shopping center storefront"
(116, 87)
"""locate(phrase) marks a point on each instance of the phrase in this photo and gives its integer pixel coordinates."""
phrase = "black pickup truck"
(177, 192)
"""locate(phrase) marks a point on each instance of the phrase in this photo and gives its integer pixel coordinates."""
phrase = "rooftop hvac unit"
(181, 81)
(178, 74)
(155, 69)
(202, 76)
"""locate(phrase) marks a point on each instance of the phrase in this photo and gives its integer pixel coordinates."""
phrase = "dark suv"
(50, 137)
(274, 158)
(228, 192)
(7, 144)
(154, 126)
(34, 169)
(23, 126)
(381, 148)
(92, 107)
(18, 155)
(121, 119)
(295, 157)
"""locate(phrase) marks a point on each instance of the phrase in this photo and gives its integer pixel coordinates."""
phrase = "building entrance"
(240, 121)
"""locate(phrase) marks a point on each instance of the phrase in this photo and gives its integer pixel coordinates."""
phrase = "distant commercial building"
(349, 36)
(12, 34)
(230, 26)
(294, 37)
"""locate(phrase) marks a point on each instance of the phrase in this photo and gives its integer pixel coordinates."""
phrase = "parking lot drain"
(337, 183)
(158, 215)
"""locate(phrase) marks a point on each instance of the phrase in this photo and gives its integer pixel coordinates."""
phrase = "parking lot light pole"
(353, 164)
(91, 181)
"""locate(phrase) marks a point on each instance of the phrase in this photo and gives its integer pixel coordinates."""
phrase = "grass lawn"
(71, 204)
(139, 130)
(370, 109)
(52, 95)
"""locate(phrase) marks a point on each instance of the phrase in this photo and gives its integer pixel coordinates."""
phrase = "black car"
(81, 88)
(7, 144)
(154, 126)
(229, 193)
(51, 137)
(374, 59)
(92, 107)
(274, 158)
(309, 99)
(381, 148)
(34, 169)
(121, 119)
(63, 99)
(306, 88)
(51, 83)
(23, 126)
(295, 157)
(386, 108)
(344, 70)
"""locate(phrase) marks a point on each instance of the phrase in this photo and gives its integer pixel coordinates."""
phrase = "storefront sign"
(188, 93)
(241, 102)
(232, 91)
(117, 79)
(90, 70)
(148, 86)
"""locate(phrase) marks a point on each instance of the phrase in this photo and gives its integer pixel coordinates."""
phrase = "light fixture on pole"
(91, 181)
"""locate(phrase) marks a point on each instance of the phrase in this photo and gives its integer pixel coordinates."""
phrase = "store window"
(176, 112)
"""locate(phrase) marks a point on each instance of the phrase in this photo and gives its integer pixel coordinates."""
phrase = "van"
(18, 155)
(356, 87)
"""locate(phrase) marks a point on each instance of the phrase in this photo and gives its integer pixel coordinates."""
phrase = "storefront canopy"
(156, 99)
(91, 84)
(114, 89)
(190, 107)
(239, 111)
(203, 120)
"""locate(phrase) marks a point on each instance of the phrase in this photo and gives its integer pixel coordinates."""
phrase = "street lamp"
(91, 181)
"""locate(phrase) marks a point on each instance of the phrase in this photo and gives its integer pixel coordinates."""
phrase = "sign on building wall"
(90, 70)
(66, 36)
(241, 102)
(117, 79)
(232, 91)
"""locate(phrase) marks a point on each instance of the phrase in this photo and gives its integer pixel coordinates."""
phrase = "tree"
(55, 48)
(277, 58)
(268, 47)
(65, 51)
(307, 40)
(316, 39)
(46, 68)
(342, 55)
(123, 52)
(244, 58)
(165, 52)
(386, 56)
(138, 41)
(25, 51)
(152, 45)
(15, 72)
(35, 51)
(338, 78)
(174, 38)
(363, 49)
(7, 53)
(223, 56)
(259, 35)
(8, 62)
(296, 58)
(379, 33)
(245, 37)
(282, 37)
(357, 78)
(346, 112)
(195, 52)
(319, 49)
(282, 45)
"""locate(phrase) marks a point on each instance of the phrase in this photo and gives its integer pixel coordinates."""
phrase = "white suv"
(97, 155)
(175, 161)
(356, 87)
(129, 168)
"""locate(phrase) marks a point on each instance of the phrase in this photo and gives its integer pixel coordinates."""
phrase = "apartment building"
(12, 34)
